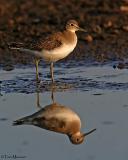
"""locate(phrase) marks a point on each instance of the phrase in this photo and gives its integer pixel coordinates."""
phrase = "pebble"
(124, 8)
(125, 28)
(108, 24)
(97, 29)
(89, 38)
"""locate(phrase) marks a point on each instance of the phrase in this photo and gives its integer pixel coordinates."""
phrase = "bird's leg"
(51, 71)
(52, 95)
(37, 71)
(38, 95)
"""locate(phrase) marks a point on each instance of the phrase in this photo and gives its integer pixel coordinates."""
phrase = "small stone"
(125, 28)
(97, 29)
(124, 8)
(89, 38)
(36, 21)
(8, 67)
(108, 24)
(114, 66)
(11, 22)
(121, 66)
(116, 31)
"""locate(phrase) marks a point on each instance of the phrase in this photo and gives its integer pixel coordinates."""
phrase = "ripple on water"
(80, 78)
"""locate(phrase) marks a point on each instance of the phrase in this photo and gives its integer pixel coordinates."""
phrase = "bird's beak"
(85, 134)
(81, 29)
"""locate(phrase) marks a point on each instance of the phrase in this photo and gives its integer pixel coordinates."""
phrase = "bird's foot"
(38, 80)
(53, 85)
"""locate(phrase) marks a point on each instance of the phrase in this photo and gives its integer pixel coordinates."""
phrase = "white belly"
(66, 115)
(58, 53)
(69, 117)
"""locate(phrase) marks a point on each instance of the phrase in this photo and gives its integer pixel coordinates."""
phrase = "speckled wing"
(52, 124)
(51, 42)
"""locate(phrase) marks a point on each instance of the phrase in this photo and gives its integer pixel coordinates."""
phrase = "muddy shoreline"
(26, 21)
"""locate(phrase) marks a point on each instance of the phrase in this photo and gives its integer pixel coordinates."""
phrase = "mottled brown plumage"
(57, 118)
(54, 47)
(51, 42)
(55, 40)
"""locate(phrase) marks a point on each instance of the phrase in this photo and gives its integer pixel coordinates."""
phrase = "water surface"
(98, 95)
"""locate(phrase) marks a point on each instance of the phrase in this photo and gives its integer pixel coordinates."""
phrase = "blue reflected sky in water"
(104, 109)
(79, 78)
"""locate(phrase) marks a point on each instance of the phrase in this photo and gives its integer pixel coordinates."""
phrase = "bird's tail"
(28, 51)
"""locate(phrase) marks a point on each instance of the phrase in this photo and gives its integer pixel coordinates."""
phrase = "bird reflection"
(58, 118)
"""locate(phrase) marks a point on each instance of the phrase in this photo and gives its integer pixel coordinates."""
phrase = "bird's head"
(78, 138)
(73, 26)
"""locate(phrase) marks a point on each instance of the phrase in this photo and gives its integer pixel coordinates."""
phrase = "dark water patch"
(21, 85)
(109, 76)
(98, 94)
(3, 119)
(103, 85)
(25, 143)
(8, 67)
(30, 86)
(82, 78)
(69, 63)
(125, 105)
(108, 122)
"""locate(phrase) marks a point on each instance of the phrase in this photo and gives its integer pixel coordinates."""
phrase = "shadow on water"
(56, 117)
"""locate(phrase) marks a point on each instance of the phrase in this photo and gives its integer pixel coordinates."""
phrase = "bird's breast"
(63, 122)
(59, 53)
(70, 119)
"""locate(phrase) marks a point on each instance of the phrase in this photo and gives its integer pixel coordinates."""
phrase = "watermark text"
(11, 156)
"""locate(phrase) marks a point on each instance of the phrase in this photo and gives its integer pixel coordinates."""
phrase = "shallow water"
(98, 94)
(71, 77)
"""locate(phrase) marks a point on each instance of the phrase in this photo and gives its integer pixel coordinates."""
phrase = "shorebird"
(55, 47)
(57, 118)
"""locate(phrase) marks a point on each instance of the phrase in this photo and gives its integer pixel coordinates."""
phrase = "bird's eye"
(71, 24)
(77, 139)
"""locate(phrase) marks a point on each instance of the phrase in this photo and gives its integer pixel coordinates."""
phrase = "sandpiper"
(55, 47)
(57, 118)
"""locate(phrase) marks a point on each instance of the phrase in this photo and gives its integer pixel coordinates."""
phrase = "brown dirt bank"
(25, 21)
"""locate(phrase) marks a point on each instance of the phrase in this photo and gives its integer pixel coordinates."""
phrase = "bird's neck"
(70, 30)
(70, 36)
(74, 134)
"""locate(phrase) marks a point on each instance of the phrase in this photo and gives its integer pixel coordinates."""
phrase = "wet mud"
(25, 21)
(79, 79)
